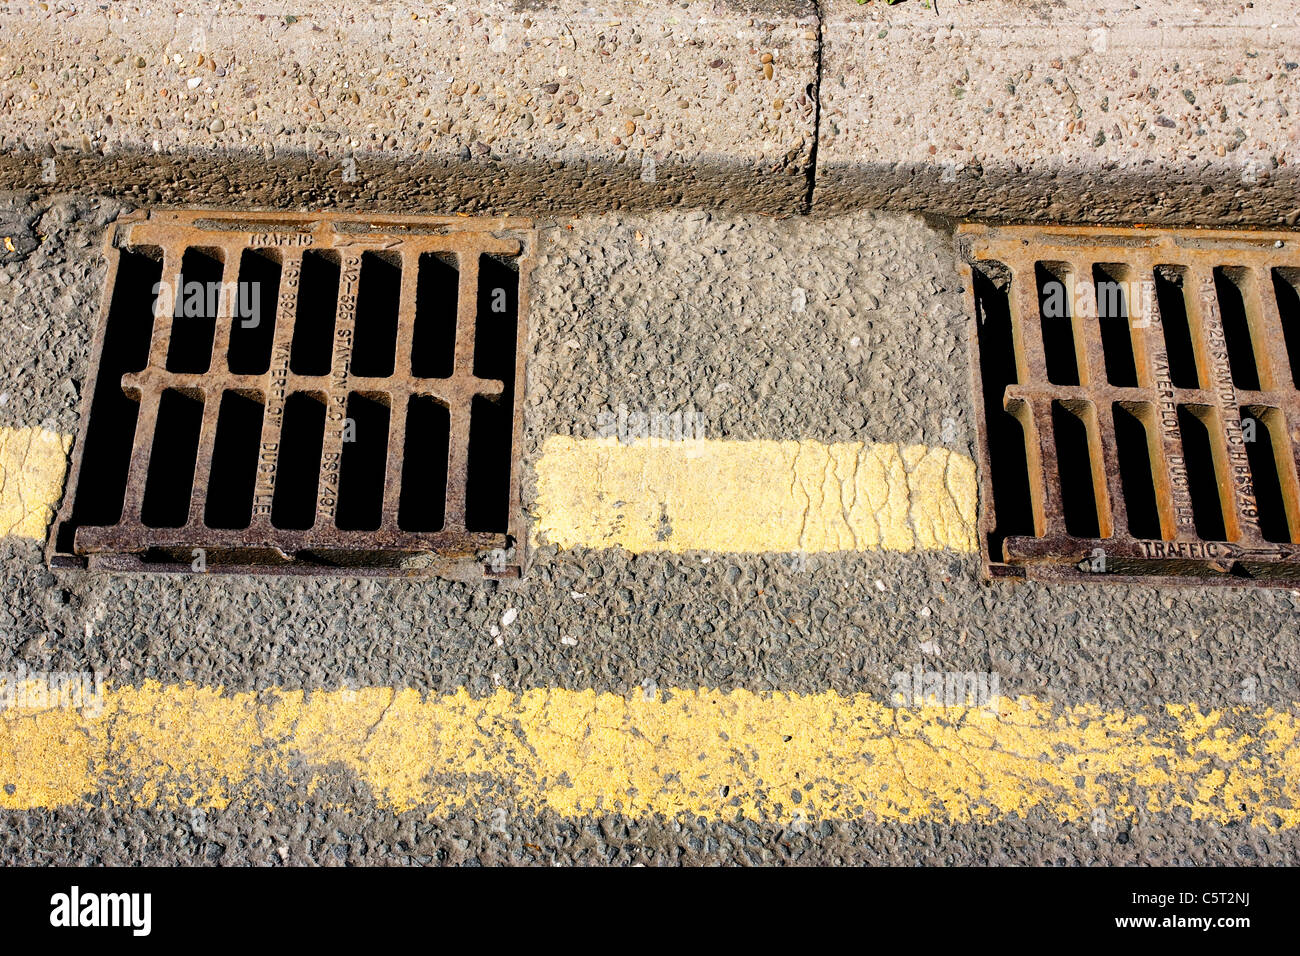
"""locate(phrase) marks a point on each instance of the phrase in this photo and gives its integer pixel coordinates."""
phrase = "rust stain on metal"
(462, 547)
(1138, 399)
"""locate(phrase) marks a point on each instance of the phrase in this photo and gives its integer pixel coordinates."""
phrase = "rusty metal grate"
(1140, 402)
(314, 393)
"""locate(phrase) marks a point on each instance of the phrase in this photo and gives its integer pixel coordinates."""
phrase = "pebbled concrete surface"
(523, 106)
(663, 309)
(1001, 109)
(1163, 113)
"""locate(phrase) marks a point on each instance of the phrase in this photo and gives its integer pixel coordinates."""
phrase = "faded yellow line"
(709, 753)
(33, 463)
(750, 496)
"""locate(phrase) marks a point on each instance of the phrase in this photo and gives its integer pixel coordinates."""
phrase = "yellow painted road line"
(33, 463)
(709, 753)
(752, 496)
(741, 496)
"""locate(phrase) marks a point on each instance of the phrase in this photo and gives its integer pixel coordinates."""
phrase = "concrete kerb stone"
(474, 107)
(1168, 113)
(997, 109)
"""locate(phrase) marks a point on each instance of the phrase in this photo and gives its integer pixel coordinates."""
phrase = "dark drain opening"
(487, 493)
(1056, 317)
(106, 455)
(1113, 321)
(170, 480)
(361, 472)
(1133, 430)
(424, 466)
(1202, 474)
(498, 324)
(234, 462)
(1180, 351)
(433, 342)
(253, 326)
(1008, 463)
(1236, 328)
(1286, 287)
(379, 289)
(1266, 457)
(1074, 461)
(294, 503)
(487, 489)
(313, 331)
(197, 298)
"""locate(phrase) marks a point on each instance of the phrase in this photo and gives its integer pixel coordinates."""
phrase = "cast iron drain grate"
(278, 393)
(1140, 411)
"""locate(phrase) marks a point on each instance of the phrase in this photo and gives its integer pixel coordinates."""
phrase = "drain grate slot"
(252, 329)
(422, 505)
(313, 327)
(1134, 448)
(1269, 457)
(234, 462)
(1139, 413)
(124, 348)
(1286, 286)
(1109, 281)
(361, 471)
(170, 480)
(197, 296)
(1005, 434)
(374, 348)
(1060, 343)
(296, 474)
(1180, 352)
(1074, 456)
(304, 394)
(1204, 482)
(1236, 327)
(434, 341)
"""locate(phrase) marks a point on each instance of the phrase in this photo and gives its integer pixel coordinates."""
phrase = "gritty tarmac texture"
(334, 829)
(659, 322)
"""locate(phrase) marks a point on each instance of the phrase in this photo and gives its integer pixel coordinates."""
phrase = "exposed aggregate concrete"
(1162, 112)
(486, 105)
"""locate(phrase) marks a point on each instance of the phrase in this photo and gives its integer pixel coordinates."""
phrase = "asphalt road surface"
(697, 693)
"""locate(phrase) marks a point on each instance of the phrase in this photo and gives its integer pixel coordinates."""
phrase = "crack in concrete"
(817, 112)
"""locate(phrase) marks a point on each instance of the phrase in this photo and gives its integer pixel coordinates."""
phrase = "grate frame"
(323, 548)
(1010, 257)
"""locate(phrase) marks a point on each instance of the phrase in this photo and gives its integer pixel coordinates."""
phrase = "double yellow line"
(788, 757)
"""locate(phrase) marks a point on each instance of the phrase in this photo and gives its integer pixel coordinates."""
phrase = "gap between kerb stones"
(807, 206)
